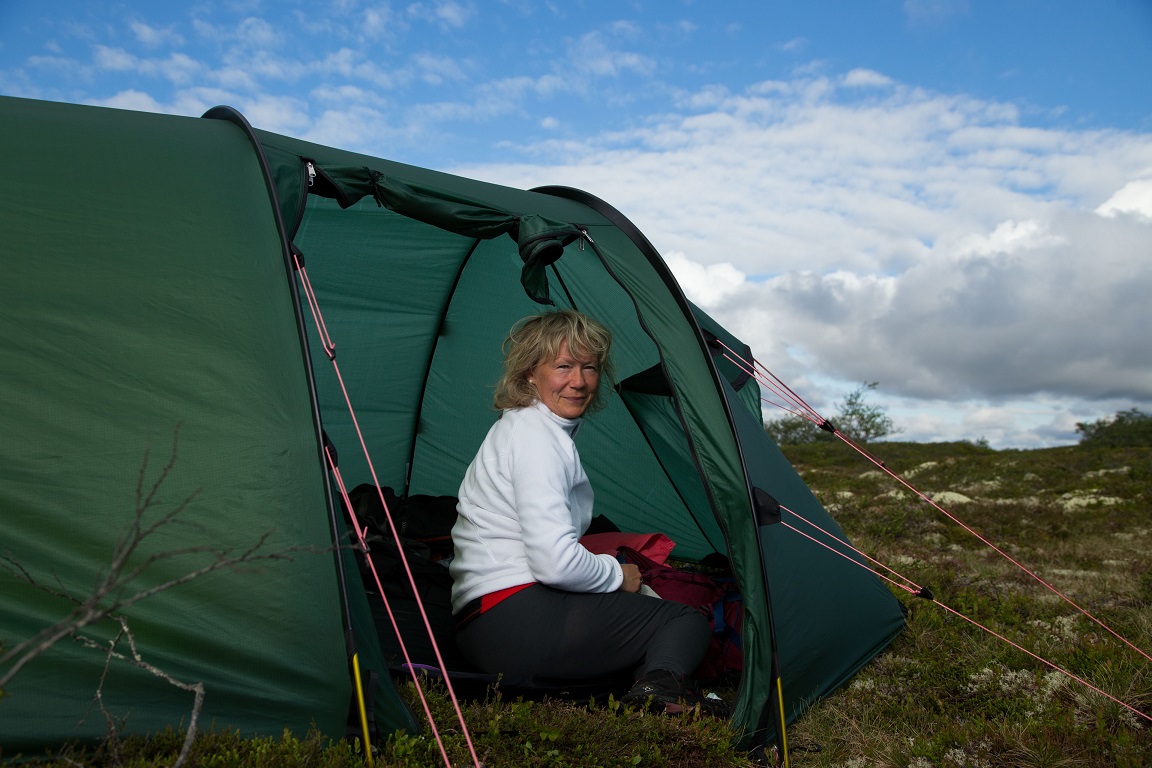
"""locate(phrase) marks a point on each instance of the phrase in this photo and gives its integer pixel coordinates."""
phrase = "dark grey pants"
(545, 632)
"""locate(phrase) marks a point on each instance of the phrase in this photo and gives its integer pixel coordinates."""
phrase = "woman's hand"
(631, 581)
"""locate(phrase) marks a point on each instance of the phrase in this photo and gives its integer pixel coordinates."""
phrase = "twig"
(197, 689)
(108, 597)
(113, 593)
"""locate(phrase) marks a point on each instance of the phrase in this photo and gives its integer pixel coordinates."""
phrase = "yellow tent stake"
(362, 707)
(783, 735)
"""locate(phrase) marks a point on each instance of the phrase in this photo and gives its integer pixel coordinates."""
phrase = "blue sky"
(949, 197)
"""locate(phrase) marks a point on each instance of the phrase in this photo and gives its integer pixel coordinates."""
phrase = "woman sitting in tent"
(528, 598)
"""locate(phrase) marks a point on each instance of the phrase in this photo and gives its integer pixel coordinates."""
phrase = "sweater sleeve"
(544, 470)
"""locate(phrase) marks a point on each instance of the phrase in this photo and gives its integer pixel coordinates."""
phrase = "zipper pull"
(311, 171)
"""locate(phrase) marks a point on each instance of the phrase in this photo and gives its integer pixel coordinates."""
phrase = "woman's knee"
(689, 615)
(699, 624)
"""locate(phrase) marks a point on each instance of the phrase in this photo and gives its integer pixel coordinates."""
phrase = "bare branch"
(18, 569)
(197, 689)
(147, 502)
(113, 594)
(137, 533)
(118, 589)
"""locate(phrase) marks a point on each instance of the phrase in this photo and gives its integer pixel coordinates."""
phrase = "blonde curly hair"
(535, 339)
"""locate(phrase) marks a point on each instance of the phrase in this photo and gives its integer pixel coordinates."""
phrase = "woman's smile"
(566, 383)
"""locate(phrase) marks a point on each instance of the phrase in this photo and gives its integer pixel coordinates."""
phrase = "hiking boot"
(666, 692)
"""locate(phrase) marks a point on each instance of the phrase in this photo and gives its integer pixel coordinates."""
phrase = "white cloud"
(488, 101)
(1008, 237)
(378, 22)
(706, 286)
(340, 96)
(1134, 198)
(256, 33)
(447, 13)
(795, 45)
(132, 99)
(354, 126)
(114, 59)
(848, 226)
(435, 69)
(237, 78)
(281, 114)
(865, 78)
(178, 68)
(592, 55)
(929, 242)
(189, 102)
(351, 64)
(243, 38)
(933, 11)
(154, 37)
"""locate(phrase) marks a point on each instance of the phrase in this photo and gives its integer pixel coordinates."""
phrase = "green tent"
(154, 333)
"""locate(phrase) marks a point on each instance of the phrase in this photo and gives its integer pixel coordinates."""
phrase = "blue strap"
(718, 624)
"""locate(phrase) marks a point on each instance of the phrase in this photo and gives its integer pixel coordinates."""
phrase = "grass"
(948, 694)
(516, 733)
(943, 694)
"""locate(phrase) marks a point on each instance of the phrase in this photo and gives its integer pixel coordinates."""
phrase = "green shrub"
(855, 419)
(1131, 427)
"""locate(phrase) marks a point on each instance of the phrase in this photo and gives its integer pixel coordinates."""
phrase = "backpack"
(718, 599)
(424, 524)
(725, 656)
(418, 518)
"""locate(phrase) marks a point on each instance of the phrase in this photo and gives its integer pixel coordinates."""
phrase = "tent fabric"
(670, 448)
(165, 299)
(540, 240)
(151, 299)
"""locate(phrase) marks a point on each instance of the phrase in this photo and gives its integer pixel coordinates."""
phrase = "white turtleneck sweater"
(524, 504)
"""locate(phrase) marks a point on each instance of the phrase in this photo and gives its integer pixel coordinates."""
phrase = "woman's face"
(566, 384)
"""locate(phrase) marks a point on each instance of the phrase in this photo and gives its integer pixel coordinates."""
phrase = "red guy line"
(361, 538)
(766, 377)
(392, 527)
(914, 589)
